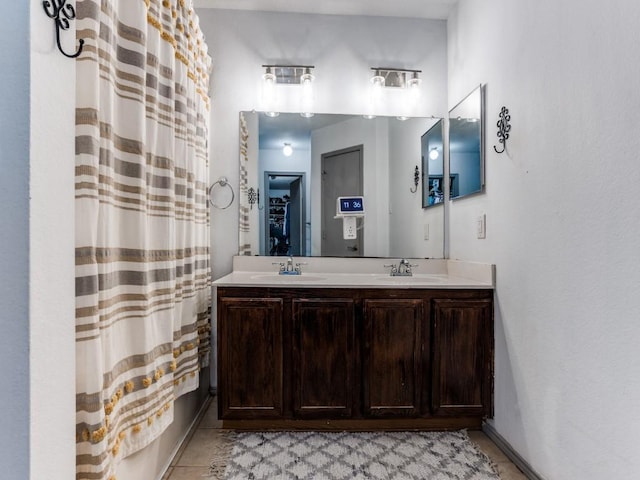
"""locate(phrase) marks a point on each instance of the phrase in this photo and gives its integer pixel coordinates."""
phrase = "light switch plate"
(481, 226)
(426, 231)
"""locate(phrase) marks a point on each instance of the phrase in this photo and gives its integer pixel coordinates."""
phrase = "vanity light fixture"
(287, 150)
(433, 153)
(289, 74)
(395, 77)
(301, 75)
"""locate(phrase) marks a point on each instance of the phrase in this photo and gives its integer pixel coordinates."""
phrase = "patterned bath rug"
(359, 455)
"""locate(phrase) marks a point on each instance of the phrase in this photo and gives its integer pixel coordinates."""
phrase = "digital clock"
(350, 206)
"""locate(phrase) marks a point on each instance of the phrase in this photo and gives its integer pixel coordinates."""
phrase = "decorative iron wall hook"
(253, 196)
(416, 180)
(503, 129)
(61, 13)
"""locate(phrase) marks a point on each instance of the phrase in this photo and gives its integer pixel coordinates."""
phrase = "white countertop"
(358, 273)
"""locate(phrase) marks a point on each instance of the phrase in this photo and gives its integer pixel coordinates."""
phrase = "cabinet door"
(250, 357)
(323, 358)
(393, 367)
(462, 346)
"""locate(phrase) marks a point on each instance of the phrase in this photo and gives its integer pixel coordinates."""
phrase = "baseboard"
(356, 425)
(510, 452)
(185, 438)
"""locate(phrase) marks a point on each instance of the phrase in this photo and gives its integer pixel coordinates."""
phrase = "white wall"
(408, 220)
(563, 223)
(373, 136)
(51, 251)
(343, 48)
(467, 166)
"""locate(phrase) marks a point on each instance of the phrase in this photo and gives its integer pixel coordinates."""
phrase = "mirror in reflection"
(330, 156)
(432, 166)
(466, 146)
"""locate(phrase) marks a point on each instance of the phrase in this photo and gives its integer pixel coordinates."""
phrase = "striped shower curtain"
(142, 223)
(245, 247)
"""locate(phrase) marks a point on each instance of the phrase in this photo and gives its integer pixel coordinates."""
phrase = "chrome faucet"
(290, 264)
(403, 269)
(289, 268)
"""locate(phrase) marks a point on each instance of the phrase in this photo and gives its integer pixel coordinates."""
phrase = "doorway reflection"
(285, 215)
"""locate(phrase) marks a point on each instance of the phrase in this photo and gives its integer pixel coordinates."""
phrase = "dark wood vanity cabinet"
(462, 357)
(354, 358)
(323, 360)
(395, 357)
(250, 347)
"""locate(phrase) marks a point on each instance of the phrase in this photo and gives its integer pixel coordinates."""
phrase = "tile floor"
(194, 457)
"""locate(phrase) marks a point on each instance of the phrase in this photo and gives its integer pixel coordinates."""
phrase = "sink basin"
(276, 278)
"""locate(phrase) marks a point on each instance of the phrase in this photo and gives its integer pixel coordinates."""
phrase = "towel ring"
(223, 182)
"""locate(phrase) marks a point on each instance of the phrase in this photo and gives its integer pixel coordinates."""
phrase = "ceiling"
(433, 9)
(294, 129)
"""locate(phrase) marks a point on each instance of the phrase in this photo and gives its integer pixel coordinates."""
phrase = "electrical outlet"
(481, 226)
(349, 228)
(426, 231)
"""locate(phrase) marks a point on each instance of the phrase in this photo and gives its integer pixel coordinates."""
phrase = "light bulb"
(269, 77)
(306, 78)
(434, 154)
(287, 150)
(268, 90)
(377, 80)
(414, 81)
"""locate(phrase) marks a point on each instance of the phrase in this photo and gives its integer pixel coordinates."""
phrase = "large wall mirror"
(293, 168)
(466, 146)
